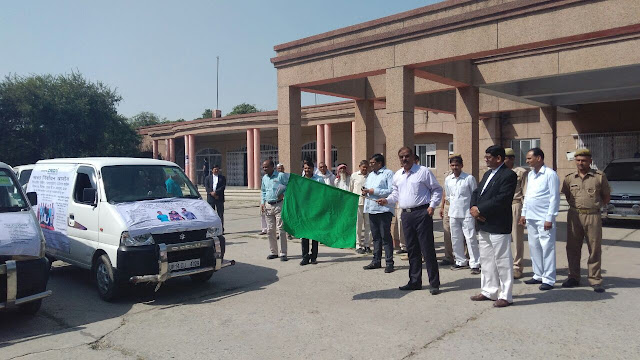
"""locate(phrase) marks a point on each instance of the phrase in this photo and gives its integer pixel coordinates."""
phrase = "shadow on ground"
(75, 302)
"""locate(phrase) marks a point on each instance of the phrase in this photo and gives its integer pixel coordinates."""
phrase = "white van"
(624, 178)
(24, 270)
(127, 220)
(23, 172)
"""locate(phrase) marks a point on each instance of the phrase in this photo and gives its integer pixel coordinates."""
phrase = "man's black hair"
(537, 152)
(378, 158)
(496, 150)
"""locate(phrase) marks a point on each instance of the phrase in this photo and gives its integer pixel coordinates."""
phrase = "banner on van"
(168, 215)
(19, 235)
(53, 186)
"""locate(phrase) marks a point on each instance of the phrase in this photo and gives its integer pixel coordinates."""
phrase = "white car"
(624, 178)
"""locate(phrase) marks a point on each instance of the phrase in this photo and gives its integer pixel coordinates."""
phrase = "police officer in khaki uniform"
(587, 191)
(517, 230)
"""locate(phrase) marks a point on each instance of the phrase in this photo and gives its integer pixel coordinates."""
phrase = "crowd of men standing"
(480, 220)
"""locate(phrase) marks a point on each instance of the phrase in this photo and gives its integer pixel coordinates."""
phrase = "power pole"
(217, 72)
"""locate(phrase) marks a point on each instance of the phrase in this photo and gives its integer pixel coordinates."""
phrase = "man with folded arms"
(491, 207)
(417, 192)
(539, 211)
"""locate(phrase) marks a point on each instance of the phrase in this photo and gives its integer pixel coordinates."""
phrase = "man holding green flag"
(313, 210)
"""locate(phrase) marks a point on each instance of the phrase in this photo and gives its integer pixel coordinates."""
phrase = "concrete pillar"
(362, 132)
(172, 150)
(155, 149)
(289, 127)
(398, 125)
(320, 143)
(257, 158)
(548, 135)
(166, 149)
(466, 136)
(186, 155)
(250, 162)
(192, 159)
(328, 159)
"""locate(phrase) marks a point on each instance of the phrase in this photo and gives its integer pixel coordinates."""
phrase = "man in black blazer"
(215, 185)
(491, 207)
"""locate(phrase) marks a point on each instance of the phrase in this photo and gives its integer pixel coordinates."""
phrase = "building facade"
(459, 75)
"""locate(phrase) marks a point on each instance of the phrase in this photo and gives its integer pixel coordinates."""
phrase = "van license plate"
(186, 264)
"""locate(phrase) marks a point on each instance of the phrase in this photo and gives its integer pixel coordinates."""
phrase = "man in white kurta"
(539, 211)
(358, 180)
(459, 186)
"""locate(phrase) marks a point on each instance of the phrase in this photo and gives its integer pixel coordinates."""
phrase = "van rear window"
(11, 198)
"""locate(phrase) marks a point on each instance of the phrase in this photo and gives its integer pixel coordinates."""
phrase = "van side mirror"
(89, 196)
(33, 198)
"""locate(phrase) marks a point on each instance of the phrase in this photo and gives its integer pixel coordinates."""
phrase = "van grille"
(174, 238)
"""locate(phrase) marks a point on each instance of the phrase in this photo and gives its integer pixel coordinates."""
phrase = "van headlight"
(213, 232)
(140, 240)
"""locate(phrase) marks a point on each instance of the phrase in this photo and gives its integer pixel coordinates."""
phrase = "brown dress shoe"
(501, 303)
(517, 274)
(479, 297)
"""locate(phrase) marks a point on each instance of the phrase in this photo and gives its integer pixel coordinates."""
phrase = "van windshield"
(623, 171)
(24, 176)
(127, 183)
(11, 197)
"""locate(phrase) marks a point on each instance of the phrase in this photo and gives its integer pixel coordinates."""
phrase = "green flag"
(320, 212)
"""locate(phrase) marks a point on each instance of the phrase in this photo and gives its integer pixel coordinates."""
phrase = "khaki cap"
(582, 152)
(509, 152)
(454, 155)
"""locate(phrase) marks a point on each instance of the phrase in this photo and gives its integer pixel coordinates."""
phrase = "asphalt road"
(270, 309)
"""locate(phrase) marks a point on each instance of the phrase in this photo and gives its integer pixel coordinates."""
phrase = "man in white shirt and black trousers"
(491, 206)
(417, 192)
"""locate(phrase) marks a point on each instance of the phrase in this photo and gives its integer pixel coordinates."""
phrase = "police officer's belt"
(275, 202)
(421, 207)
(585, 211)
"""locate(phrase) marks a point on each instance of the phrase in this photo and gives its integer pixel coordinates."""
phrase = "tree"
(244, 108)
(46, 116)
(207, 114)
(146, 118)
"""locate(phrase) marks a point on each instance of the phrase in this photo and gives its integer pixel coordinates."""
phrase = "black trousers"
(418, 233)
(305, 249)
(218, 206)
(381, 234)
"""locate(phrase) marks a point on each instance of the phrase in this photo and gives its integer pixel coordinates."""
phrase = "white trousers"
(264, 223)
(542, 248)
(363, 241)
(464, 229)
(497, 265)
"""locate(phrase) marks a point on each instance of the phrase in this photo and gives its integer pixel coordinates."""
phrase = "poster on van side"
(19, 235)
(53, 186)
(167, 215)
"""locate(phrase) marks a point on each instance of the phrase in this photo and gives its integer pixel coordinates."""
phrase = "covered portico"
(480, 60)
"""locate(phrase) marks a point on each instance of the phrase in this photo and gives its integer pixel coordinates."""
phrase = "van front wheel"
(106, 280)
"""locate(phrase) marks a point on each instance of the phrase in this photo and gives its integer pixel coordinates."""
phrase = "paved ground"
(272, 310)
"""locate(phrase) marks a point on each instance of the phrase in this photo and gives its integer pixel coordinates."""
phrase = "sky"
(160, 56)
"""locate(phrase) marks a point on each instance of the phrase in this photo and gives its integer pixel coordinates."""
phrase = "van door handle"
(71, 222)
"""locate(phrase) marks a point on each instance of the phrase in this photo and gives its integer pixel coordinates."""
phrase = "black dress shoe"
(284, 258)
(435, 291)
(411, 287)
(570, 282)
(372, 266)
(532, 281)
(545, 287)
(388, 269)
(272, 256)
(475, 271)
(598, 288)
(445, 262)
(401, 251)
(368, 250)
(360, 251)
(314, 262)
(304, 262)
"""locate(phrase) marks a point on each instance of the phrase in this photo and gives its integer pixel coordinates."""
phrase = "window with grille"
(521, 148)
(427, 154)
